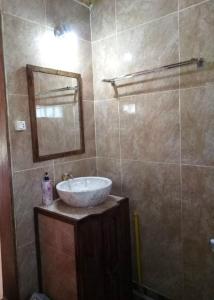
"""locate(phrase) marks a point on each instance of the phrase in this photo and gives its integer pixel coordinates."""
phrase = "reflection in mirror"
(56, 112)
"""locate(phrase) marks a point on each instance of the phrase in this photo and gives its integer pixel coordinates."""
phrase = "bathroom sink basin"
(84, 191)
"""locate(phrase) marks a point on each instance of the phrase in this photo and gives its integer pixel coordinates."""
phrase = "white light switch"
(20, 125)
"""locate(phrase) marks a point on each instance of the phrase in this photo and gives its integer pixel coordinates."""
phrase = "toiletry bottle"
(47, 190)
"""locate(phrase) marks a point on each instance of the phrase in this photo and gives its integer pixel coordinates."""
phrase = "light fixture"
(59, 50)
(62, 29)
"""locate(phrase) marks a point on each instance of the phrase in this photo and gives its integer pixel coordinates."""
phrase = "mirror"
(55, 101)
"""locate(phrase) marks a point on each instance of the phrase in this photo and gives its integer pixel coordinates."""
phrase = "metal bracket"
(115, 89)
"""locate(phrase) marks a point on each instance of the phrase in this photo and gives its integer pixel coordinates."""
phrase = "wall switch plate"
(20, 125)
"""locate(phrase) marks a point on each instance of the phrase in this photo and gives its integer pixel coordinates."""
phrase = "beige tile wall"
(28, 39)
(156, 141)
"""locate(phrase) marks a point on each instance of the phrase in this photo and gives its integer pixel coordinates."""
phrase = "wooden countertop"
(75, 213)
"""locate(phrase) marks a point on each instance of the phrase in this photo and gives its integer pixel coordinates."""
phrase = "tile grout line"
(95, 132)
(142, 161)
(137, 26)
(50, 165)
(193, 5)
(34, 168)
(26, 95)
(148, 22)
(22, 18)
(45, 7)
(103, 39)
(180, 167)
(36, 22)
(197, 166)
(82, 4)
(118, 101)
(123, 98)
(71, 161)
(95, 125)
(152, 21)
(54, 175)
(91, 24)
(158, 162)
(41, 25)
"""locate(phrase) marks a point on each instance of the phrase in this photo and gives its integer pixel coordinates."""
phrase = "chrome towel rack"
(198, 61)
(194, 61)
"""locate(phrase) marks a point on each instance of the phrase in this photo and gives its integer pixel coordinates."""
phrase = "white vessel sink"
(84, 191)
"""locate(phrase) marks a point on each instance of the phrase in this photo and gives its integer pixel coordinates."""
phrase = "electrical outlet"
(20, 126)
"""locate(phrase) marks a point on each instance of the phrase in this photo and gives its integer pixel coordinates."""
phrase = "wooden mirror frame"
(32, 106)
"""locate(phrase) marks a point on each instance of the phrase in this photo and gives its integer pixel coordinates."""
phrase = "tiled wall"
(28, 39)
(158, 145)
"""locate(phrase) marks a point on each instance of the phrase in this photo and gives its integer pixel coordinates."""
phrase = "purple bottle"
(47, 190)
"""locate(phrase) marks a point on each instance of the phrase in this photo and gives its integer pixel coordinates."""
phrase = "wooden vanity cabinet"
(84, 254)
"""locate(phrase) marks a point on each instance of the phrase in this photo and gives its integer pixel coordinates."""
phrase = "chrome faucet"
(67, 176)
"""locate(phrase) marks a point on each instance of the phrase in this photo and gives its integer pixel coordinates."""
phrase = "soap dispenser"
(47, 190)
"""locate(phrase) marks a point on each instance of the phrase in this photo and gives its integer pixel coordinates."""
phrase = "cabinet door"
(117, 253)
(90, 259)
(103, 265)
(111, 255)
